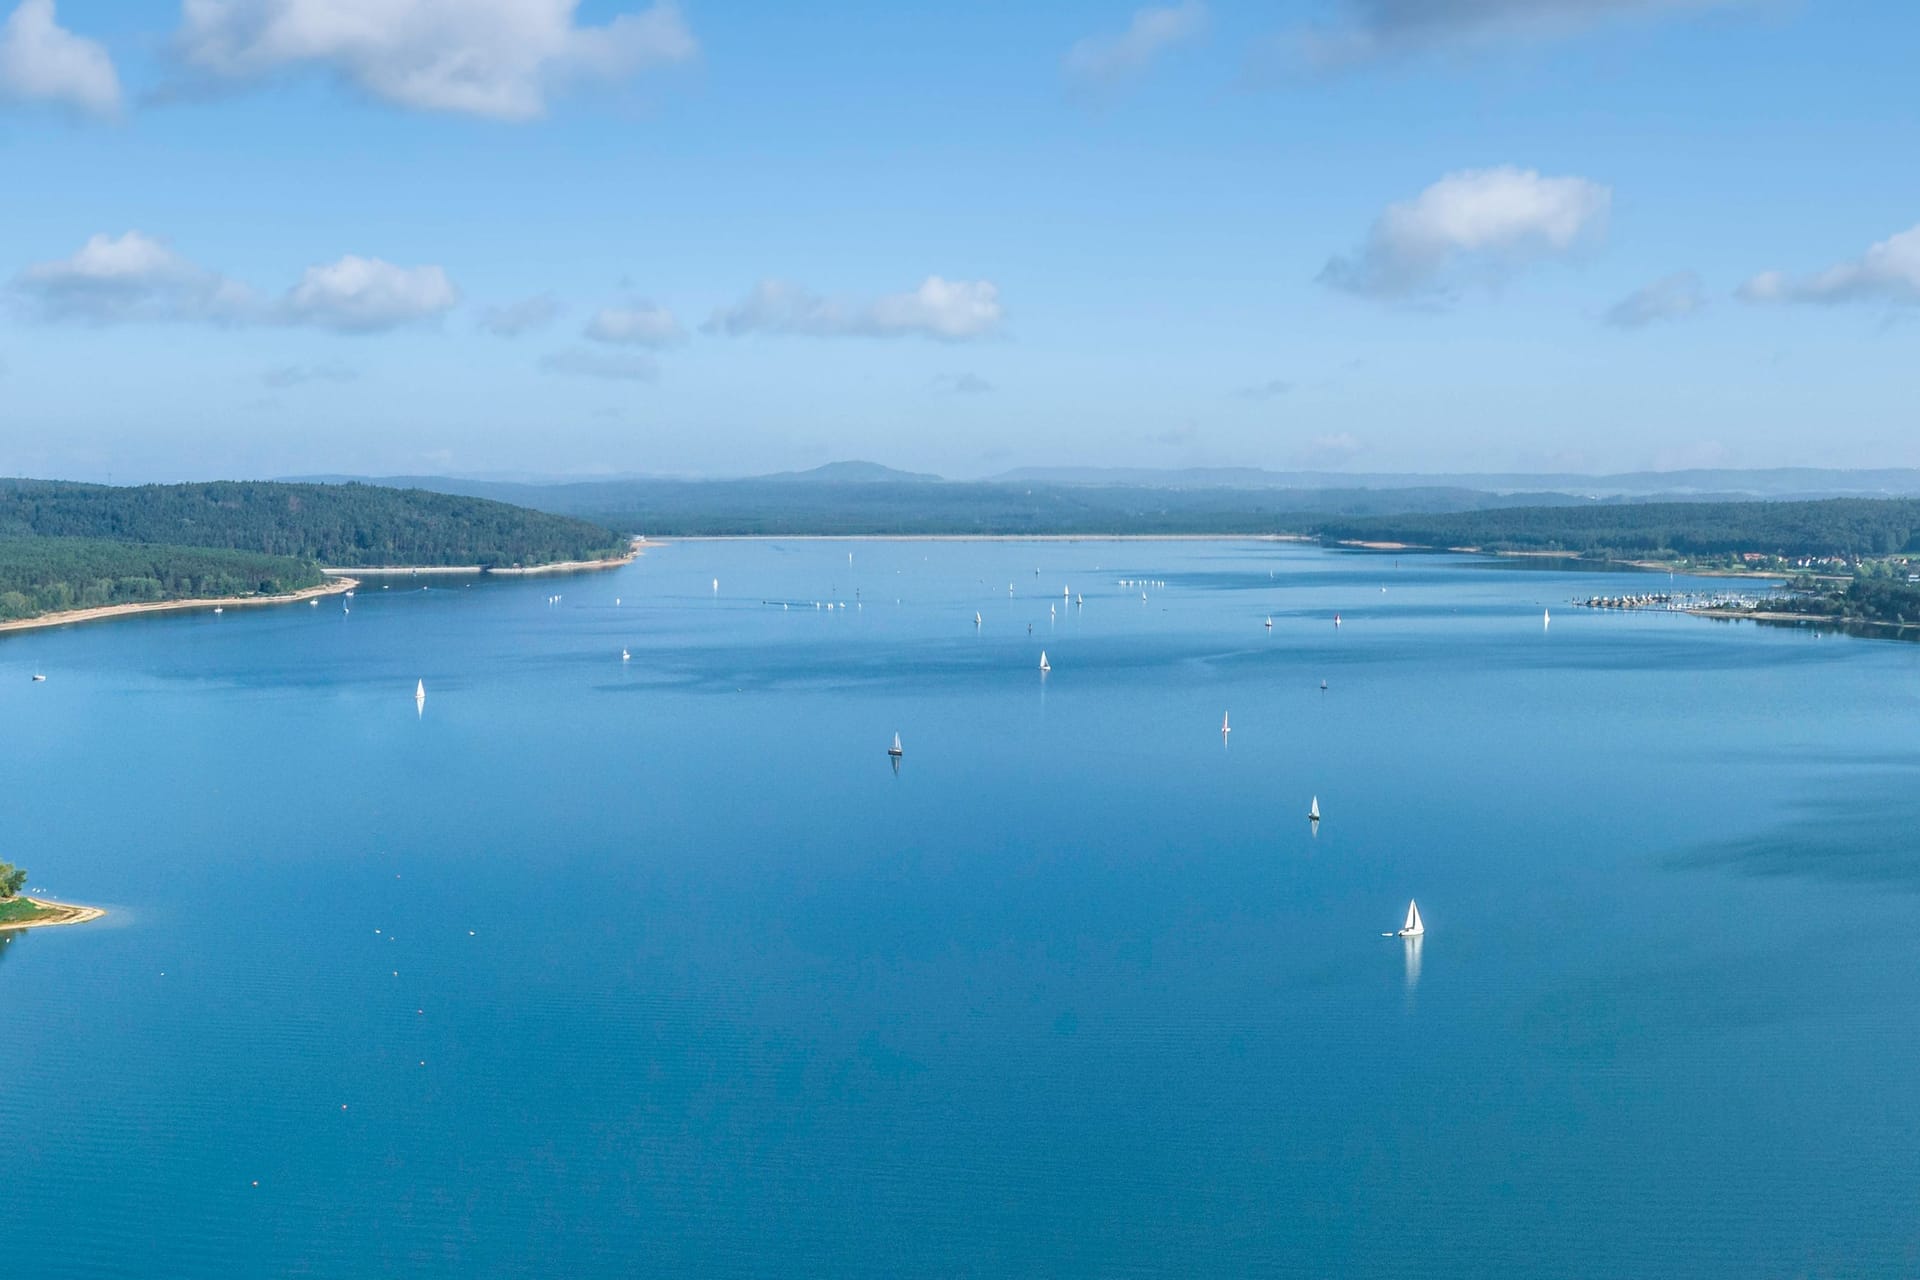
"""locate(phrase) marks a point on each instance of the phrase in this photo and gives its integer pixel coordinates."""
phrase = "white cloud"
(626, 366)
(1668, 298)
(1476, 221)
(1887, 272)
(1104, 60)
(134, 277)
(1370, 30)
(641, 325)
(950, 310)
(495, 58)
(41, 61)
(131, 276)
(520, 317)
(366, 295)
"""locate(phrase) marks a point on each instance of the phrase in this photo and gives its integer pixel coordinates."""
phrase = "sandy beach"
(336, 586)
(62, 913)
(563, 566)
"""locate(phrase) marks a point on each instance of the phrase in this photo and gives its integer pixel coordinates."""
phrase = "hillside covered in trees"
(1848, 527)
(51, 575)
(337, 525)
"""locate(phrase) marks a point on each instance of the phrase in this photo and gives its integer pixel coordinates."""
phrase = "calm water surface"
(601, 968)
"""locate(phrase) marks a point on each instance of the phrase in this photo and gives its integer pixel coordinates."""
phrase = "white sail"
(1043, 661)
(1313, 810)
(1546, 617)
(419, 690)
(1224, 726)
(976, 619)
(1413, 928)
(625, 656)
(1269, 624)
(895, 750)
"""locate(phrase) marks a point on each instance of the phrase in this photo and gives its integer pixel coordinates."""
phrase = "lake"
(602, 968)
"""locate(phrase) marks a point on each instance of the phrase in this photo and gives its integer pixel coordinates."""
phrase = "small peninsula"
(20, 912)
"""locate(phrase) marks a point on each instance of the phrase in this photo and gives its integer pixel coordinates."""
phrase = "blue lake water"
(597, 968)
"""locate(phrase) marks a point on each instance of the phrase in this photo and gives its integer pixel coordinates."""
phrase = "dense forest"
(1847, 527)
(48, 575)
(808, 504)
(338, 525)
(1885, 601)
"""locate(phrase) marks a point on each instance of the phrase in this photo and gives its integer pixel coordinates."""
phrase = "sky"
(597, 237)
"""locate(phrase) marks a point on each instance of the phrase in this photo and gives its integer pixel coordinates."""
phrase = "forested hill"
(338, 525)
(53, 575)
(1835, 527)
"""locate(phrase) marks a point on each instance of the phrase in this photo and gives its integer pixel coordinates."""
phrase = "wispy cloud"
(516, 318)
(962, 384)
(1476, 223)
(1106, 60)
(948, 310)
(500, 59)
(1668, 298)
(1887, 272)
(639, 325)
(587, 362)
(41, 61)
(1271, 389)
(295, 375)
(1366, 31)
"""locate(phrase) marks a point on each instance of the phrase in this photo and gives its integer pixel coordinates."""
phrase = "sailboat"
(1323, 686)
(625, 656)
(1045, 666)
(1546, 617)
(419, 690)
(1079, 599)
(1413, 928)
(976, 619)
(1269, 624)
(38, 678)
(1336, 619)
(895, 750)
(1225, 728)
(1313, 810)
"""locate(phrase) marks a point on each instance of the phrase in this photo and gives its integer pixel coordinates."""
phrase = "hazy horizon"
(628, 238)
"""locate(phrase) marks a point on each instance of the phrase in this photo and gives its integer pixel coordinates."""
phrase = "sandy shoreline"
(336, 586)
(564, 566)
(64, 913)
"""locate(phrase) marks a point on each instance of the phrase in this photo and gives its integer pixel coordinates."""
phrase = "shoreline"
(989, 537)
(638, 547)
(1805, 619)
(63, 913)
(67, 617)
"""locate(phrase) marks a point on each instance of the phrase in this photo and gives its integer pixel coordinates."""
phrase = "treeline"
(1865, 599)
(1849, 527)
(49, 575)
(339, 525)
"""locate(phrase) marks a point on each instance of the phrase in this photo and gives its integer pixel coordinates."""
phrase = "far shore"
(69, 616)
(57, 913)
(991, 537)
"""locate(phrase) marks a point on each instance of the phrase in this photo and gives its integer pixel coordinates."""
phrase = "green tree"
(12, 879)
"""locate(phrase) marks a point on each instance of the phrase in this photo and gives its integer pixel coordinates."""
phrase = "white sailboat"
(976, 619)
(1313, 810)
(1225, 728)
(1269, 624)
(1546, 618)
(895, 750)
(1045, 666)
(419, 690)
(1413, 928)
(1079, 599)
(625, 656)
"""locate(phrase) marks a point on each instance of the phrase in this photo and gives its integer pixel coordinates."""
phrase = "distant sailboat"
(1336, 619)
(218, 609)
(1323, 686)
(1546, 618)
(1413, 928)
(1225, 728)
(1079, 599)
(1269, 624)
(1313, 810)
(1044, 665)
(419, 690)
(976, 619)
(625, 656)
(38, 678)
(895, 750)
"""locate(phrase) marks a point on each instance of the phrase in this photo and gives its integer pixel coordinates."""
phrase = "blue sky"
(266, 237)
